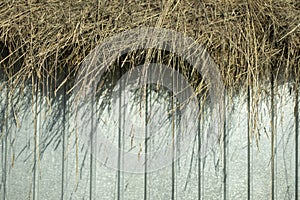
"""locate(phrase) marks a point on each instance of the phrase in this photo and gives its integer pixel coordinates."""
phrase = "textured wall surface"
(42, 159)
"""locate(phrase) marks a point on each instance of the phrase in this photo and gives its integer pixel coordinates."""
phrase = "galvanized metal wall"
(42, 156)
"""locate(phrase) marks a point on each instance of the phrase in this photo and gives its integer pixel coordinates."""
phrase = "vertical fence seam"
(248, 143)
(224, 148)
(91, 143)
(296, 114)
(5, 142)
(199, 150)
(119, 138)
(146, 137)
(272, 138)
(35, 138)
(63, 140)
(173, 137)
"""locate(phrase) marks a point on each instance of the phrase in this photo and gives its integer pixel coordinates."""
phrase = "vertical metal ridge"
(199, 150)
(123, 145)
(248, 143)
(204, 158)
(92, 142)
(173, 137)
(272, 139)
(35, 139)
(4, 143)
(296, 114)
(224, 149)
(146, 138)
(63, 139)
(119, 139)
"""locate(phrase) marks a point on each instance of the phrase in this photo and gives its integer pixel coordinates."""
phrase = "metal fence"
(256, 157)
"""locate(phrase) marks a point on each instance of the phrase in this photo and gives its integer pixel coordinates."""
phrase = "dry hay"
(249, 40)
(246, 39)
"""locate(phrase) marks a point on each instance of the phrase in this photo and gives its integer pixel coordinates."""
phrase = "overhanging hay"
(248, 40)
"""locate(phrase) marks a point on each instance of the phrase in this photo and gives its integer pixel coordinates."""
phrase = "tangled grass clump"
(44, 42)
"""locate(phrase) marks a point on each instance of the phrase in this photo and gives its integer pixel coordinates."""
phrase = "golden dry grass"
(247, 39)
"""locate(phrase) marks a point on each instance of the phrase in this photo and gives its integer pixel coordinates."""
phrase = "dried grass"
(248, 40)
